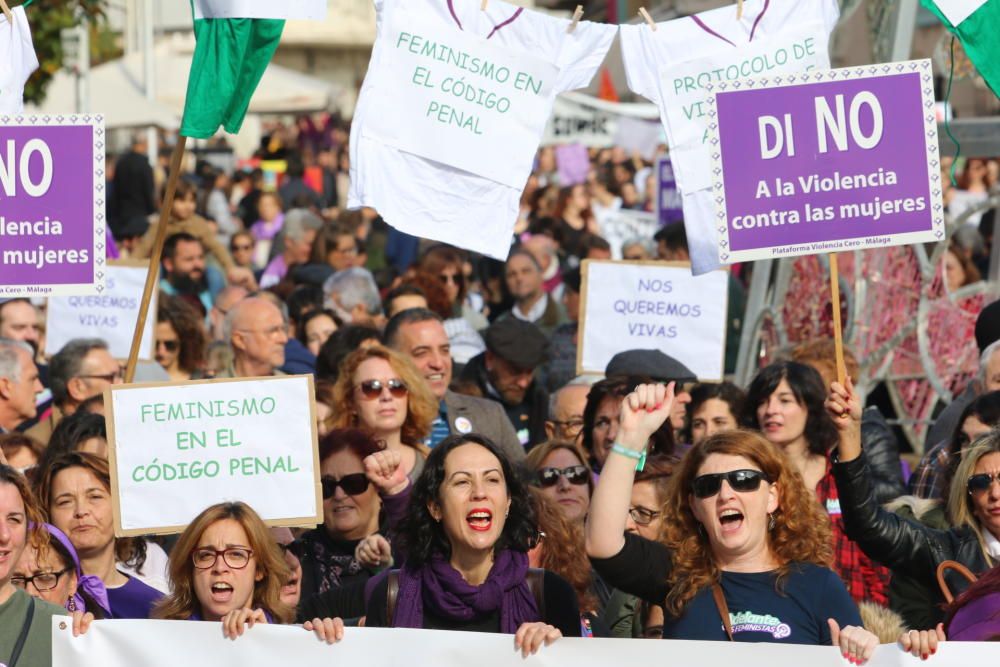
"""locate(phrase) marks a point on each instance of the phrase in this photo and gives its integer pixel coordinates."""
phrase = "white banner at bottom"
(172, 643)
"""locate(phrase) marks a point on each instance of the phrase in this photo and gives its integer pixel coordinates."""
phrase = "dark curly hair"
(807, 385)
(422, 537)
(618, 387)
(188, 324)
(727, 392)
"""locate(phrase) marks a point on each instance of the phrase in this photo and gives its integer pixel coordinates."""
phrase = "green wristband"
(638, 457)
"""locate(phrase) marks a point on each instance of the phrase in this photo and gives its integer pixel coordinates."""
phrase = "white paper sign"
(126, 643)
(453, 97)
(797, 49)
(618, 227)
(653, 305)
(260, 9)
(175, 449)
(111, 316)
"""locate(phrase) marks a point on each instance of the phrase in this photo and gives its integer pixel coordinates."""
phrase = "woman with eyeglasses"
(50, 571)
(912, 548)
(365, 491)
(227, 568)
(380, 391)
(745, 551)
(76, 488)
(25, 620)
(601, 420)
(465, 538)
(785, 403)
(179, 339)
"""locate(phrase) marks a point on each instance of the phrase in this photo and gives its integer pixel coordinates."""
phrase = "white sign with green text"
(175, 449)
(682, 90)
(454, 97)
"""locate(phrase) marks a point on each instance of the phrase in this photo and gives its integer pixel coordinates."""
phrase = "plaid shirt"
(865, 580)
(927, 481)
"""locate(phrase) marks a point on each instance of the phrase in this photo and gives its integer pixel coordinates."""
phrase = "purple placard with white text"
(669, 207)
(52, 227)
(826, 161)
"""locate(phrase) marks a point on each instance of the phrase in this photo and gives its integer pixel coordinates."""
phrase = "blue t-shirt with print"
(760, 613)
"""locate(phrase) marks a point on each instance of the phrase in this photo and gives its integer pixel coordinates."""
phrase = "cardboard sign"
(456, 98)
(827, 161)
(669, 207)
(260, 9)
(51, 205)
(652, 305)
(176, 448)
(110, 316)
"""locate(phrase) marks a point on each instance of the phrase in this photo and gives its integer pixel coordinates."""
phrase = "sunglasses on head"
(372, 389)
(706, 486)
(353, 485)
(574, 475)
(981, 482)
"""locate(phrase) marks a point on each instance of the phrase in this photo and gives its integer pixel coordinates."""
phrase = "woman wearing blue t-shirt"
(746, 549)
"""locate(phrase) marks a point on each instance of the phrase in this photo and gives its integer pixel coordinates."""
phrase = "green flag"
(229, 61)
(976, 24)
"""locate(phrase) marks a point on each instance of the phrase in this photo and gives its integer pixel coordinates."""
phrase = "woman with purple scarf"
(466, 536)
(51, 572)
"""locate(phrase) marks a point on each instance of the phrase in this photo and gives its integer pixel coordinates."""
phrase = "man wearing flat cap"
(662, 368)
(505, 373)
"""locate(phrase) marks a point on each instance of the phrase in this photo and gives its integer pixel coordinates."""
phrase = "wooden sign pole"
(838, 333)
(152, 276)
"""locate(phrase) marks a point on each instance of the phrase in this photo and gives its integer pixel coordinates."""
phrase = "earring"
(770, 520)
(71, 606)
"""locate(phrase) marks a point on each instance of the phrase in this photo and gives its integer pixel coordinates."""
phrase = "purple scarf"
(88, 583)
(439, 586)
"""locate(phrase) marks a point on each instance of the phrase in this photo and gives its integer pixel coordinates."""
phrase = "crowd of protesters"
(470, 480)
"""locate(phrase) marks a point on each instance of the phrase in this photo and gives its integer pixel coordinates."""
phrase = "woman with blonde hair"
(563, 476)
(382, 392)
(226, 567)
(741, 532)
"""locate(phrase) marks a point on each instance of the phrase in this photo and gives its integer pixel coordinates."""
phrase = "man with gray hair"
(18, 384)
(298, 232)
(257, 331)
(82, 369)
(566, 407)
(353, 295)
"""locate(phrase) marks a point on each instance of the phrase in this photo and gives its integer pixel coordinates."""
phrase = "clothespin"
(482, 7)
(739, 9)
(647, 18)
(577, 15)
(7, 12)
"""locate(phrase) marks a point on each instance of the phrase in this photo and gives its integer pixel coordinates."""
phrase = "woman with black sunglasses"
(364, 492)
(180, 340)
(380, 391)
(563, 476)
(909, 547)
(745, 551)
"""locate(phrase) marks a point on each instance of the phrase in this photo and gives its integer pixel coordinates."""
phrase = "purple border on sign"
(874, 196)
(48, 260)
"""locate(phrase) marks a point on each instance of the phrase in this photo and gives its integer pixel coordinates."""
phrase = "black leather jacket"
(880, 445)
(904, 546)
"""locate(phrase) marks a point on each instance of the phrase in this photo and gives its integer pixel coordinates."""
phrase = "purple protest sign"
(668, 200)
(827, 161)
(52, 227)
(573, 163)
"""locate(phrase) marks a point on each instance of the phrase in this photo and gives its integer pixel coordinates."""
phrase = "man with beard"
(184, 272)
(505, 372)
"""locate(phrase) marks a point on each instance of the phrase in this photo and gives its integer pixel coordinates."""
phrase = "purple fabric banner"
(52, 228)
(668, 200)
(826, 161)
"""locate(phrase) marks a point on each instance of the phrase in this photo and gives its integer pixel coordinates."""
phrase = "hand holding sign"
(385, 471)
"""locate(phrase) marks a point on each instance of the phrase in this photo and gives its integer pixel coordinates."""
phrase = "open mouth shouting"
(222, 592)
(730, 520)
(480, 520)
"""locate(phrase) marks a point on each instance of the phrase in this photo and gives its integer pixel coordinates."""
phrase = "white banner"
(618, 227)
(177, 448)
(796, 49)
(129, 643)
(581, 119)
(260, 9)
(111, 316)
(455, 98)
(652, 305)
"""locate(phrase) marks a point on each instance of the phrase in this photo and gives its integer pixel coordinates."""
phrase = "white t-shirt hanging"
(453, 108)
(17, 53)
(669, 65)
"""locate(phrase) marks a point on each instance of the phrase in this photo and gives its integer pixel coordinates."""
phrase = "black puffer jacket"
(904, 546)
(882, 449)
